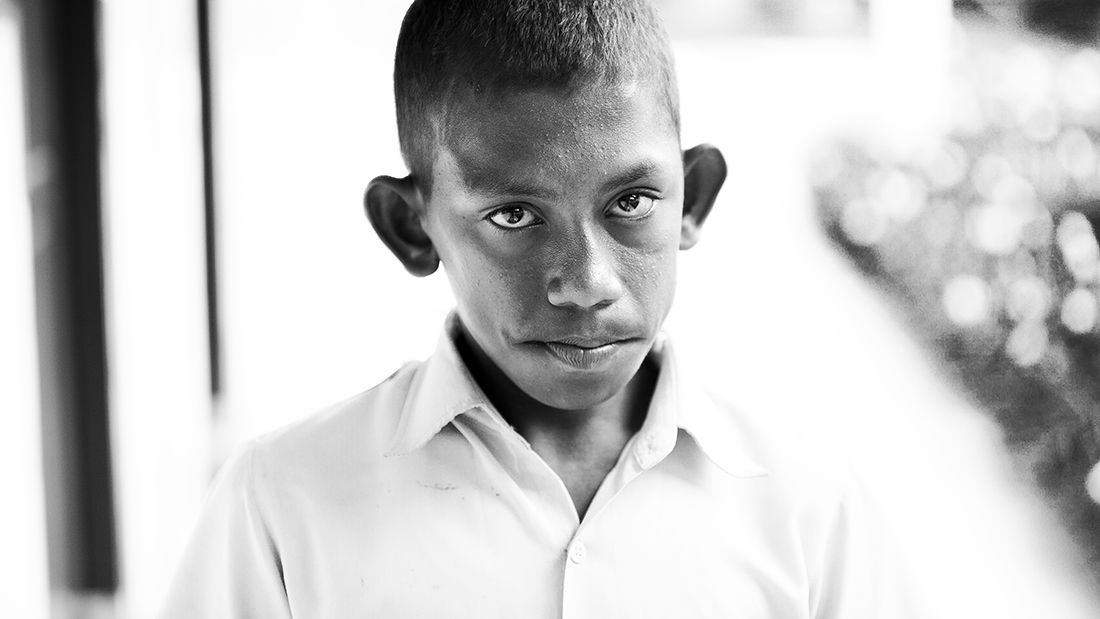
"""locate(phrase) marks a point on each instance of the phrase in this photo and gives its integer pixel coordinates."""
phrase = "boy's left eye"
(632, 206)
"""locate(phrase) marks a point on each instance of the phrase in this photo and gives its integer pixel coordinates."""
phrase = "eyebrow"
(630, 176)
(492, 185)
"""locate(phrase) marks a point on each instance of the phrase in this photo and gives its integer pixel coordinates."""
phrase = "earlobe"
(704, 173)
(393, 207)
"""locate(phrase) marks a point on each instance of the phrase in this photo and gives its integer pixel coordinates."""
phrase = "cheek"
(490, 278)
(648, 260)
(651, 278)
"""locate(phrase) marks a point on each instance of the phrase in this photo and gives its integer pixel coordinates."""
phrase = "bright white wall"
(316, 310)
(24, 576)
(161, 413)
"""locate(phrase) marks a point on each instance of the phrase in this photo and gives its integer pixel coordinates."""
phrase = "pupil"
(629, 203)
(515, 215)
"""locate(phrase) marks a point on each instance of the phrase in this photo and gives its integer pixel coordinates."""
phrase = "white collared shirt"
(416, 499)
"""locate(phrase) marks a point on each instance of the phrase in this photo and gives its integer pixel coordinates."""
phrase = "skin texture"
(558, 217)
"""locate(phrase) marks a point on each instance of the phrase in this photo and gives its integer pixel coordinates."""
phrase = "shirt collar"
(680, 403)
(444, 389)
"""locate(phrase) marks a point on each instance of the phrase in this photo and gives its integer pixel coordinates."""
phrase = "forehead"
(558, 134)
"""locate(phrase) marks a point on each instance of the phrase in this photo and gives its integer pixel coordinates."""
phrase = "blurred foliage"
(987, 238)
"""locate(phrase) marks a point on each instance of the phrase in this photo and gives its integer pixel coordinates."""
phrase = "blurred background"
(185, 264)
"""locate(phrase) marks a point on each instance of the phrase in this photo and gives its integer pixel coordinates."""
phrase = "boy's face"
(558, 219)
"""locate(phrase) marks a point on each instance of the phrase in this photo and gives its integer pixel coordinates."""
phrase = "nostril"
(592, 288)
(586, 274)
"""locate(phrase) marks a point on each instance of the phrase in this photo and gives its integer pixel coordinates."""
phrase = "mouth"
(584, 353)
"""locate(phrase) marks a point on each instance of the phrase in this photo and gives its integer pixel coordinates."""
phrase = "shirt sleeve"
(854, 575)
(230, 567)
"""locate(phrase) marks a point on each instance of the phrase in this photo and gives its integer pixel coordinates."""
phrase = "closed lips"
(585, 344)
(587, 354)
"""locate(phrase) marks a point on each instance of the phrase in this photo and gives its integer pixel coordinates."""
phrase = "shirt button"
(577, 552)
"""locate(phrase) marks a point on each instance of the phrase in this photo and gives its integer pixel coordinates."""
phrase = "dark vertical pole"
(208, 188)
(62, 72)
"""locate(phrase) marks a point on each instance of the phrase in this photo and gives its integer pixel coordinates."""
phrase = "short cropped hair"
(451, 50)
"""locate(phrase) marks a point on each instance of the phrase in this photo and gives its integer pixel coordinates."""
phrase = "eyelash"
(512, 208)
(652, 197)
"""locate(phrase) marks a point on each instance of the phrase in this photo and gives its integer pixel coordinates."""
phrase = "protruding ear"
(394, 206)
(704, 173)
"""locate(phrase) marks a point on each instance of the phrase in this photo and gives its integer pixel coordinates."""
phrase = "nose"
(587, 275)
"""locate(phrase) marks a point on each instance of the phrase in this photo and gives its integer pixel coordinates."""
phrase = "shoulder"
(348, 435)
(800, 466)
(814, 488)
(273, 488)
(811, 490)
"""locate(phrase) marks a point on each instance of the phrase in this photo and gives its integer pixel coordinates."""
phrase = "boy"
(550, 459)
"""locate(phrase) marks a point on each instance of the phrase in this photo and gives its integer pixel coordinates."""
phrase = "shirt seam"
(269, 536)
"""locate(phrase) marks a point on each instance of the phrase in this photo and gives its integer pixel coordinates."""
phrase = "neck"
(580, 445)
(583, 433)
(623, 412)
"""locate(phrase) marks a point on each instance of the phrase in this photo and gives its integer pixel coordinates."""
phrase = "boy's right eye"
(513, 217)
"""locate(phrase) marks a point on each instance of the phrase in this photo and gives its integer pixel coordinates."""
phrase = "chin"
(577, 390)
